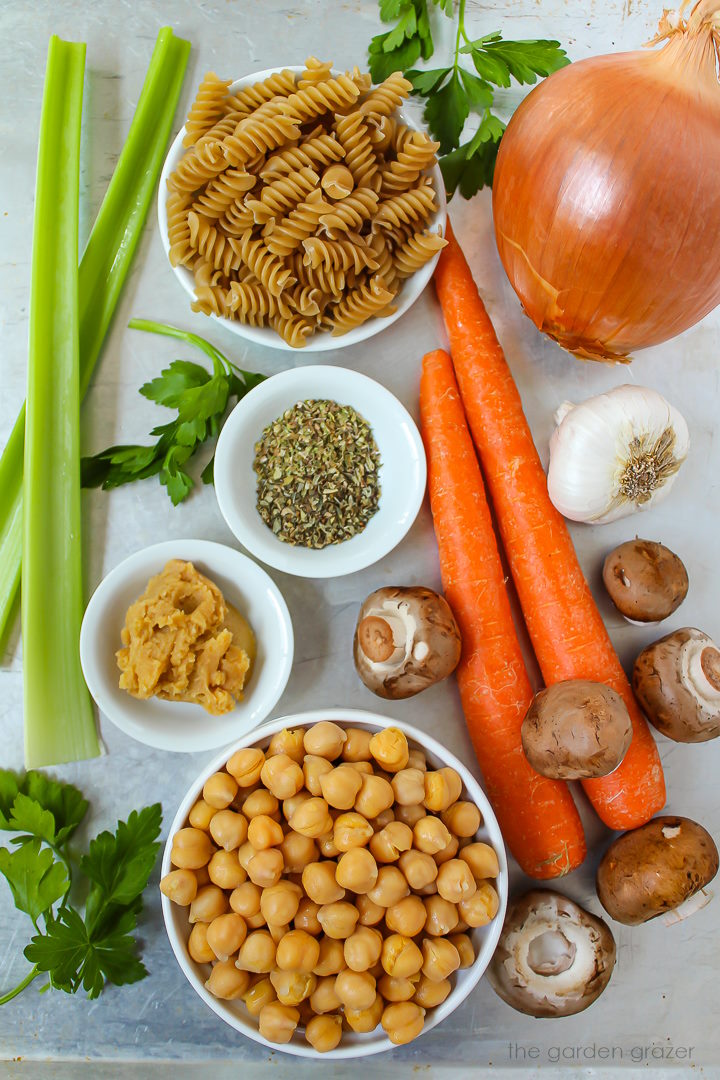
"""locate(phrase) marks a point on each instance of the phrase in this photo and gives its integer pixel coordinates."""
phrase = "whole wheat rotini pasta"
(302, 202)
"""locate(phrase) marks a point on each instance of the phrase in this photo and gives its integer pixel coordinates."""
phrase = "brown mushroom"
(553, 957)
(576, 729)
(646, 581)
(406, 639)
(655, 868)
(677, 682)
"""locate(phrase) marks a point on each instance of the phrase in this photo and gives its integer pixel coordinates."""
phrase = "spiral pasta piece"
(267, 267)
(283, 195)
(289, 233)
(251, 303)
(206, 274)
(195, 168)
(211, 300)
(382, 132)
(314, 153)
(220, 130)
(294, 330)
(177, 206)
(417, 154)
(316, 71)
(330, 282)
(348, 214)
(369, 298)
(265, 129)
(354, 136)
(206, 109)
(386, 268)
(388, 96)
(222, 191)
(246, 101)
(418, 250)
(407, 207)
(334, 95)
(220, 250)
(352, 253)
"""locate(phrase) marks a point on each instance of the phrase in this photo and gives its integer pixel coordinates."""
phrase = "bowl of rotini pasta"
(300, 208)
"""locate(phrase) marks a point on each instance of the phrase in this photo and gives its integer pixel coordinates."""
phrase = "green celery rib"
(103, 270)
(59, 717)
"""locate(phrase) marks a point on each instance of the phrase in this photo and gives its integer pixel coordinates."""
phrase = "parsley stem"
(32, 974)
(460, 32)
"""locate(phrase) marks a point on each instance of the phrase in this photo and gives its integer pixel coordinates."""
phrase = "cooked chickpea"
(209, 902)
(225, 870)
(180, 886)
(393, 839)
(257, 952)
(327, 845)
(464, 946)
(463, 819)
(220, 789)
(440, 958)
(201, 815)
(428, 890)
(340, 786)
(228, 829)
(245, 899)
(259, 993)
(455, 881)
(370, 912)
(306, 917)
(357, 745)
(384, 818)
(442, 916)
(356, 870)
(282, 776)
(375, 795)
(363, 948)
(325, 740)
(410, 814)
(245, 853)
(191, 849)
(298, 851)
(288, 741)
(277, 1022)
(255, 922)
(312, 818)
(203, 878)
(430, 993)
(320, 883)
(356, 989)
(332, 957)
(260, 803)
(277, 931)
(419, 869)
(442, 788)
(409, 786)
(197, 945)
(350, 831)
(430, 835)
(403, 1022)
(297, 951)
(225, 935)
(365, 1020)
(395, 989)
(401, 957)
(245, 765)
(390, 887)
(324, 999)
(324, 1032)
(266, 867)
(417, 760)
(226, 981)
(407, 917)
(314, 767)
(264, 833)
(290, 805)
(365, 768)
(339, 919)
(482, 907)
(448, 852)
(292, 987)
(482, 860)
(390, 749)
(279, 903)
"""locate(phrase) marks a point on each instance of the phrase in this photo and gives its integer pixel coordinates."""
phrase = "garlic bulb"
(615, 453)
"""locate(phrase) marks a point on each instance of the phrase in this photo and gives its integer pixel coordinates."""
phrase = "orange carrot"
(537, 816)
(565, 626)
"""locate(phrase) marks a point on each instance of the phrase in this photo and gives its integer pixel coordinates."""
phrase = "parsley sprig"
(453, 92)
(201, 400)
(76, 949)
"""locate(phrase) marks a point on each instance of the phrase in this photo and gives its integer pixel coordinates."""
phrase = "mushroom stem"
(375, 638)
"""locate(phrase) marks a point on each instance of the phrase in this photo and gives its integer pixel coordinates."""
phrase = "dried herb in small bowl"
(318, 474)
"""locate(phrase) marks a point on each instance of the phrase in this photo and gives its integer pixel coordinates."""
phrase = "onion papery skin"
(606, 198)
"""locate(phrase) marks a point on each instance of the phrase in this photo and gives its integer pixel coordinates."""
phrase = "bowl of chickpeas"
(335, 884)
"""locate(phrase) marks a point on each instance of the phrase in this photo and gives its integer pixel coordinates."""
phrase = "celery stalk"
(103, 270)
(59, 717)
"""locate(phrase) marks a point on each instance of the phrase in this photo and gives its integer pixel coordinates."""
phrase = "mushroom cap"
(406, 639)
(575, 729)
(645, 580)
(655, 868)
(553, 957)
(677, 682)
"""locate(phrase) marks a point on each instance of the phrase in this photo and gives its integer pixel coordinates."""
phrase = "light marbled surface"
(666, 979)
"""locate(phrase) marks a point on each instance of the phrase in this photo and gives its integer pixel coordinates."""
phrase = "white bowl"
(322, 341)
(179, 725)
(484, 938)
(402, 475)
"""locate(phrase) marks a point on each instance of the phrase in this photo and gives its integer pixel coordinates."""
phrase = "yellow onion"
(606, 196)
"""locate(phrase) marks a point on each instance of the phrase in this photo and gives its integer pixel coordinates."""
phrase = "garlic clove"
(615, 453)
